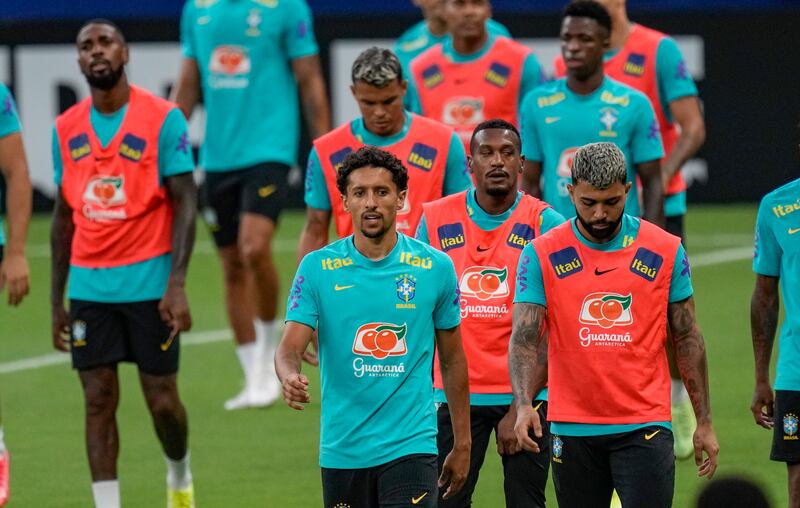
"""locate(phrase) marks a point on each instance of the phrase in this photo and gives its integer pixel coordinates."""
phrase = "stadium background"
(744, 60)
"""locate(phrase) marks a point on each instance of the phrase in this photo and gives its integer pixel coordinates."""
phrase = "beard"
(601, 234)
(376, 233)
(105, 81)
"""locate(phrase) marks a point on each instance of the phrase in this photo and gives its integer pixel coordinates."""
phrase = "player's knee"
(255, 252)
(233, 272)
(100, 401)
(164, 405)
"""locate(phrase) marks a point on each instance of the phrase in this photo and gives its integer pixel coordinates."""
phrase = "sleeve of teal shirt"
(456, 174)
(530, 282)
(447, 313)
(646, 143)
(422, 230)
(674, 79)
(767, 256)
(9, 120)
(411, 99)
(303, 303)
(299, 39)
(174, 149)
(550, 218)
(531, 148)
(58, 166)
(316, 188)
(532, 76)
(497, 28)
(680, 287)
(188, 46)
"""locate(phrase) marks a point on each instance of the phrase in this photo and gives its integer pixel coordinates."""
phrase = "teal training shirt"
(145, 280)
(532, 73)
(555, 122)
(533, 292)
(244, 50)
(376, 356)
(9, 124)
(487, 222)
(456, 177)
(777, 254)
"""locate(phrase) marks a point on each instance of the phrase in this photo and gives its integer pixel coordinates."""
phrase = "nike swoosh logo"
(416, 500)
(552, 119)
(168, 343)
(537, 406)
(266, 191)
(482, 250)
(793, 231)
(337, 287)
(648, 437)
(597, 271)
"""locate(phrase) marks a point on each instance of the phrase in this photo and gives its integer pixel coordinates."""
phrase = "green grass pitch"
(263, 458)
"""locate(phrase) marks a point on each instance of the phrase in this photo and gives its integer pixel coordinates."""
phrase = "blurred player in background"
(13, 266)
(590, 319)
(430, 31)
(431, 152)
(473, 75)
(122, 232)
(777, 267)
(587, 107)
(651, 62)
(247, 60)
(380, 301)
(483, 230)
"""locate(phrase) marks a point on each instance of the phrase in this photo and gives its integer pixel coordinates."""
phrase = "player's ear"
(344, 203)
(469, 164)
(571, 190)
(401, 199)
(628, 187)
(521, 163)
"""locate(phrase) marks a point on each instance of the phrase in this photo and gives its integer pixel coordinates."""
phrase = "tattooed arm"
(527, 365)
(61, 231)
(764, 307)
(690, 353)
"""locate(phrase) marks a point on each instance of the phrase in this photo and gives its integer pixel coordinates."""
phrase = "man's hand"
(295, 391)
(763, 405)
(454, 471)
(527, 419)
(174, 309)
(705, 440)
(507, 443)
(312, 357)
(14, 274)
(60, 328)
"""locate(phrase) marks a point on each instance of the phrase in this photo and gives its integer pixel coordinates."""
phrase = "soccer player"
(590, 319)
(473, 75)
(651, 62)
(247, 60)
(378, 300)
(587, 107)
(13, 266)
(432, 152)
(122, 232)
(430, 31)
(483, 230)
(777, 265)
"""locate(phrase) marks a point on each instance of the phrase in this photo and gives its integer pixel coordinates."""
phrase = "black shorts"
(261, 189)
(785, 435)
(525, 473)
(109, 333)
(640, 465)
(408, 481)
(675, 226)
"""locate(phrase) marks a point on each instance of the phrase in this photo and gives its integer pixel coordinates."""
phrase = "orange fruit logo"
(484, 282)
(105, 191)
(380, 340)
(606, 310)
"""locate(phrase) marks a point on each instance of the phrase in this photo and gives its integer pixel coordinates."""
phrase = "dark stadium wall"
(751, 103)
